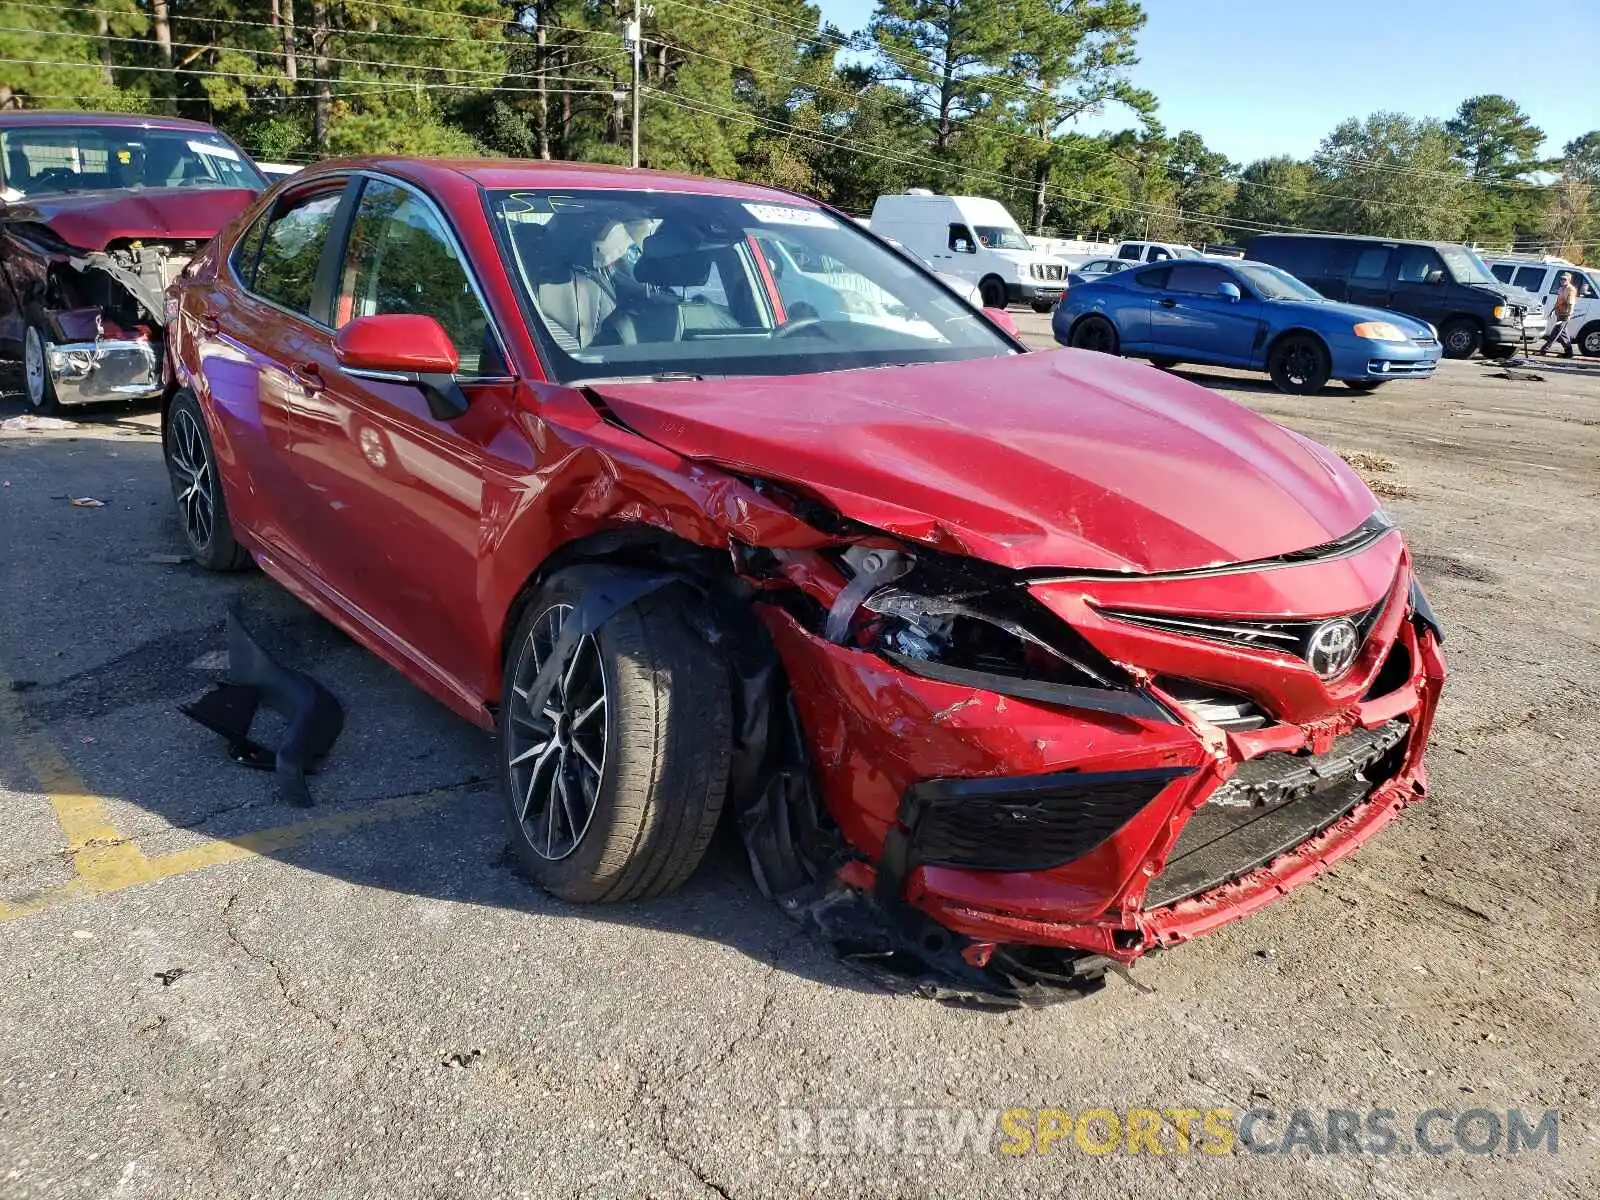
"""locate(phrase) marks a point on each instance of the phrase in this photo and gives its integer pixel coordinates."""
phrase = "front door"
(1194, 321)
(400, 489)
(1371, 277)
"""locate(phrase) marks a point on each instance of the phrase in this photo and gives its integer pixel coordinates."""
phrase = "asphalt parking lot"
(209, 994)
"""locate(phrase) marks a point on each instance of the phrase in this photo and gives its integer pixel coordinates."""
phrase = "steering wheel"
(800, 325)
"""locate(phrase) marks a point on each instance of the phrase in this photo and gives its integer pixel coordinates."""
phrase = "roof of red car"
(52, 116)
(512, 172)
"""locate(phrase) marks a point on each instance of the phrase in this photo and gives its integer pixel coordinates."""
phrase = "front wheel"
(614, 780)
(1094, 333)
(1299, 365)
(192, 468)
(41, 389)
(1460, 337)
(993, 291)
(1589, 340)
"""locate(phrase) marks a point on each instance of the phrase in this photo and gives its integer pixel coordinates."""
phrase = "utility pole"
(635, 29)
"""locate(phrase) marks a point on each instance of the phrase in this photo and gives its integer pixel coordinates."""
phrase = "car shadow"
(113, 628)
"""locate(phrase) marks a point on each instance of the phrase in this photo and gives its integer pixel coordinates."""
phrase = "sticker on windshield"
(782, 214)
(214, 151)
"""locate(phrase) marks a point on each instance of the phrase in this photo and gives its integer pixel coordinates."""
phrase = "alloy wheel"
(1300, 365)
(33, 366)
(557, 754)
(1591, 342)
(192, 473)
(1459, 340)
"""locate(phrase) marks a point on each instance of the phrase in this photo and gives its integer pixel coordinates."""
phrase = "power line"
(374, 83)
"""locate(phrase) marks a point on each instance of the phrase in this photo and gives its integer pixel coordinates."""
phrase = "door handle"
(307, 376)
(1168, 302)
(210, 323)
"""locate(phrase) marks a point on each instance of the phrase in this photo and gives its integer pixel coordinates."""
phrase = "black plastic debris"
(312, 714)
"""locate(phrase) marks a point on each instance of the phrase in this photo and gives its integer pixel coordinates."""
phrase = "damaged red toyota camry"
(1010, 667)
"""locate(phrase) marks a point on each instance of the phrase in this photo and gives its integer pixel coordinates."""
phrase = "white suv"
(1540, 276)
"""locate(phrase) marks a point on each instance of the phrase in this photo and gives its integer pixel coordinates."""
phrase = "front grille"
(1049, 271)
(1271, 805)
(1023, 823)
(1286, 637)
(1214, 705)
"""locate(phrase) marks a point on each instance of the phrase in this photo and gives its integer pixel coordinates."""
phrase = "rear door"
(1197, 323)
(398, 488)
(249, 330)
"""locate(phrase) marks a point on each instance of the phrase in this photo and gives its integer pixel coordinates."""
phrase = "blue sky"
(1260, 77)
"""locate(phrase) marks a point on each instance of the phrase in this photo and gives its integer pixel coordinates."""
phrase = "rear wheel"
(614, 782)
(192, 468)
(41, 389)
(1094, 333)
(1460, 337)
(1299, 365)
(1589, 340)
(993, 291)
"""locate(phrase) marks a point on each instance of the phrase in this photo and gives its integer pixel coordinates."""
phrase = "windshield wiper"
(658, 377)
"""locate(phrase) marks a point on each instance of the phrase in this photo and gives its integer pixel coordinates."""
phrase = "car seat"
(572, 300)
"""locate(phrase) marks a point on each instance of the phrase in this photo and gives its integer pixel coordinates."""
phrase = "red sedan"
(1010, 666)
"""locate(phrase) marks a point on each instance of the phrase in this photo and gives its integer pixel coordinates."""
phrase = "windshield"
(1001, 237)
(1272, 284)
(1465, 266)
(45, 160)
(639, 284)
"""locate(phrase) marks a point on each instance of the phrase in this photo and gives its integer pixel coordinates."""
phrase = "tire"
(197, 489)
(1364, 385)
(1299, 364)
(993, 291)
(1460, 337)
(1094, 333)
(1500, 351)
(1589, 339)
(38, 387)
(1166, 364)
(646, 775)
(1042, 306)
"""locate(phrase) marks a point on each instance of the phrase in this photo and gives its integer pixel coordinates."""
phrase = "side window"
(1196, 280)
(1129, 250)
(1372, 264)
(1419, 264)
(1585, 286)
(247, 249)
(1153, 279)
(961, 240)
(400, 261)
(1157, 254)
(1531, 278)
(286, 273)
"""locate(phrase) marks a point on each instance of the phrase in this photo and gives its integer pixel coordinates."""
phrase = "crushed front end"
(1030, 778)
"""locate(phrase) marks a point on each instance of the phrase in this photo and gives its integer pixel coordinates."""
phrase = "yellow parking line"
(104, 861)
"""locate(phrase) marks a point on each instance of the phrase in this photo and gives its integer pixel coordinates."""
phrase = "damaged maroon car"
(1010, 667)
(98, 215)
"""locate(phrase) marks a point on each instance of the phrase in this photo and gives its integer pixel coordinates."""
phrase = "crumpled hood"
(93, 220)
(1057, 459)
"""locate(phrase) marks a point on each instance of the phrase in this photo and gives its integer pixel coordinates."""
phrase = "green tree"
(1392, 175)
(1272, 191)
(1204, 184)
(1498, 141)
(1581, 157)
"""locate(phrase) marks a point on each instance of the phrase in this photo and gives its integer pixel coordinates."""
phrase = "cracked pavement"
(385, 1009)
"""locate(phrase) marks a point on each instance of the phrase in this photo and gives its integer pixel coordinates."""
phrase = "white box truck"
(975, 238)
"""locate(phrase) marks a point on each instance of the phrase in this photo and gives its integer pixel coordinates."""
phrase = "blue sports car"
(1235, 313)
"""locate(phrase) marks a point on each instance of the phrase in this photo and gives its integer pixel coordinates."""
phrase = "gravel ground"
(373, 1005)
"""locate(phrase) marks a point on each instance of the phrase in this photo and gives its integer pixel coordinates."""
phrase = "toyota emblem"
(1333, 647)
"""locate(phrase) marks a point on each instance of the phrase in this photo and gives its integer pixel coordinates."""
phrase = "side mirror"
(1002, 318)
(1229, 290)
(404, 348)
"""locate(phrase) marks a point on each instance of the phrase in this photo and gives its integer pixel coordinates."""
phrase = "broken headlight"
(970, 630)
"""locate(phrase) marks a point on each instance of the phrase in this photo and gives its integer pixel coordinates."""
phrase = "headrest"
(543, 256)
(669, 258)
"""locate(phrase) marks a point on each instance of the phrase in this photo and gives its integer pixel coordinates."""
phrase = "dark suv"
(1444, 284)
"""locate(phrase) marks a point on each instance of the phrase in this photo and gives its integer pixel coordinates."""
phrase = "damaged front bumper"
(995, 831)
(93, 372)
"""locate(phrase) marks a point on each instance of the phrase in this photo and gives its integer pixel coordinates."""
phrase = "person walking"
(1561, 315)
